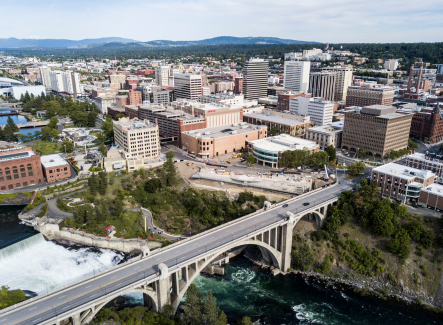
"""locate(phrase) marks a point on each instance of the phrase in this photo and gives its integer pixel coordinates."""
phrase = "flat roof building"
(19, 166)
(369, 94)
(288, 123)
(268, 151)
(221, 140)
(326, 135)
(255, 78)
(55, 168)
(188, 86)
(421, 161)
(318, 109)
(137, 138)
(376, 128)
(400, 182)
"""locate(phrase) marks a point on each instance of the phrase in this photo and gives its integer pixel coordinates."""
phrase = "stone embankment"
(15, 199)
(52, 232)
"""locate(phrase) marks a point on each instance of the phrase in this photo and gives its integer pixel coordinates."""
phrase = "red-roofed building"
(109, 229)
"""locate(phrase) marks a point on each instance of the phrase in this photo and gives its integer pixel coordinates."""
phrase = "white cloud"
(315, 20)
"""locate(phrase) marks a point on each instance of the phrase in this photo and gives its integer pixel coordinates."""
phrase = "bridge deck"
(47, 308)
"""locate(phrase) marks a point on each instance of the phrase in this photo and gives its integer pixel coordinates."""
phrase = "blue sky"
(346, 21)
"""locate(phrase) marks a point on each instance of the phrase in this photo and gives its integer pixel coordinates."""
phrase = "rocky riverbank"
(16, 198)
(376, 287)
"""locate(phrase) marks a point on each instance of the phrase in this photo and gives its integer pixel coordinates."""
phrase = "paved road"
(75, 296)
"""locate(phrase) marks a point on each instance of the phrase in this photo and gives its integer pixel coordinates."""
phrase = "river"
(37, 265)
(18, 119)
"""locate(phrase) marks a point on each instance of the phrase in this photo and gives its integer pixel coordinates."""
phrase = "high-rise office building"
(322, 84)
(296, 76)
(376, 128)
(342, 82)
(187, 86)
(255, 78)
(162, 75)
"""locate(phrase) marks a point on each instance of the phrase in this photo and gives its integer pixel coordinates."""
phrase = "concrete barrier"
(52, 231)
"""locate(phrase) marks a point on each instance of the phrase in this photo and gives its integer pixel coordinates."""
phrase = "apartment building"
(318, 109)
(296, 76)
(400, 182)
(255, 78)
(55, 168)
(188, 86)
(65, 82)
(369, 94)
(20, 166)
(326, 135)
(421, 161)
(45, 77)
(376, 128)
(343, 80)
(427, 122)
(322, 84)
(138, 139)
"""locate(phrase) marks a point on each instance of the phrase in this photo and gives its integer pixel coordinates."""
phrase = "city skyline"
(318, 21)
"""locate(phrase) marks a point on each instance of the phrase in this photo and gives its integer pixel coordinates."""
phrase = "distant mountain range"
(29, 43)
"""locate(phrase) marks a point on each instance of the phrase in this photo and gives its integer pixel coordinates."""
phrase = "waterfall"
(22, 245)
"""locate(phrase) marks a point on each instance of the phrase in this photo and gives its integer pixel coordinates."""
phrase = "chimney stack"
(417, 85)
(410, 78)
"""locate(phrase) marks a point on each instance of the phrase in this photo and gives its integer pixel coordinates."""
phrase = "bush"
(302, 256)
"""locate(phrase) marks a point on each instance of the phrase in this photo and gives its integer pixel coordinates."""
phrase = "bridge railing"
(160, 250)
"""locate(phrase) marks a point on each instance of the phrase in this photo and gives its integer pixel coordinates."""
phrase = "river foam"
(47, 265)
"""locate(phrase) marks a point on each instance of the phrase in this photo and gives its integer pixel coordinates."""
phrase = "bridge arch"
(275, 255)
(150, 293)
(319, 218)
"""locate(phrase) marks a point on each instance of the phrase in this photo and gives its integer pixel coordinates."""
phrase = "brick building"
(401, 183)
(428, 123)
(55, 168)
(238, 85)
(284, 100)
(20, 167)
(369, 95)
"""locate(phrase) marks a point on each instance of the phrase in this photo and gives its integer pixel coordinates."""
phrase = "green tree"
(48, 133)
(11, 124)
(193, 306)
(10, 297)
(250, 160)
(169, 169)
(68, 146)
(119, 116)
(93, 183)
(212, 314)
(152, 185)
(412, 145)
(245, 321)
(356, 168)
(362, 152)
(103, 176)
(108, 127)
(273, 131)
(102, 149)
(92, 116)
(101, 137)
(302, 256)
(332, 152)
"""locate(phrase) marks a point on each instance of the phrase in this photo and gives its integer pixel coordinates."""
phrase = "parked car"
(339, 182)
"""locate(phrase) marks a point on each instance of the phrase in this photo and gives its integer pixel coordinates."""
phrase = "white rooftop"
(403, 172)
(55, 160)
(434, 189)
(274, 119)
(283, 142)
(422, 157)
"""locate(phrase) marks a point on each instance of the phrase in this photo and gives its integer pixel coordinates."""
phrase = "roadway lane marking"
(93, 295)
(135, 268)
(35, 320)
(61, 297)
(247, 226)
(3, 320)
(66, 307)
(32, 308)
(113, 277)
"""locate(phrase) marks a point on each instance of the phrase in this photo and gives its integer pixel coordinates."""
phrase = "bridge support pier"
(286, 245)
(162, 287)
(76, 319)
